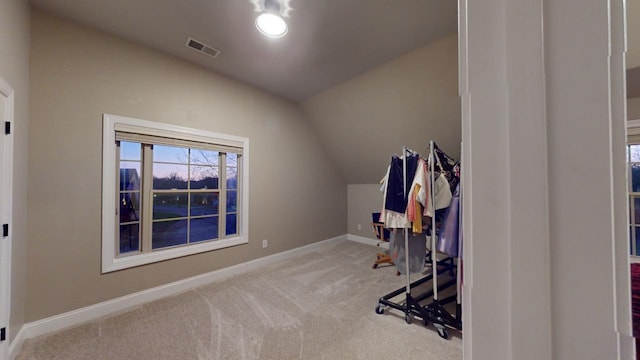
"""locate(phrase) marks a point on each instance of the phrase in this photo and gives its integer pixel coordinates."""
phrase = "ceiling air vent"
(202, 48)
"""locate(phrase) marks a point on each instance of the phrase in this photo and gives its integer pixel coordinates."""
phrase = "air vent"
(202, 48)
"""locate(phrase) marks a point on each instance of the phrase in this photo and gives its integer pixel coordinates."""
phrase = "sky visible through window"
(173, 160)
(634, 153)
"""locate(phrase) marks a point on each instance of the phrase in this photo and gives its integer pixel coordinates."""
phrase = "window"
(633, 156)
(633, 185)
(176, 191)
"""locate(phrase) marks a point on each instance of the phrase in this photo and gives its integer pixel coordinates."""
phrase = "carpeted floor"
(317, 306)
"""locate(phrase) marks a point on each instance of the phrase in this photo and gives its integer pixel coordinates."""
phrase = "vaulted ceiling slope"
(405, 102)
(328, 42)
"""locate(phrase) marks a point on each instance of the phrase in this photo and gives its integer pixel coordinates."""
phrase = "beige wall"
(633, 33)
(77, 75)
(14, 68)
(633, 108)
(408, 101)
(364, 121)
(363, 199)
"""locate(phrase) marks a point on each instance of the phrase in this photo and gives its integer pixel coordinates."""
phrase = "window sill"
(125, 262)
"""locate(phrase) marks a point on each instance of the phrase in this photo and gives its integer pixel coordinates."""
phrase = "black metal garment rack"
(433, 312)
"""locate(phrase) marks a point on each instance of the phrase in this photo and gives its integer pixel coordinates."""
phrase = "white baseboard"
(92, 312)
(368, 241)
(16, 344)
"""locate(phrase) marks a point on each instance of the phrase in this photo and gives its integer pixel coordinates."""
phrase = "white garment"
(396, 220)
(421, 179)
(442, 194)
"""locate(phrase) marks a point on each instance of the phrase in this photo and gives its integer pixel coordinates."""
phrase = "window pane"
(231, 224)
(232, 159)
(635, 178)
(130, 151)
(232, 178)
(168, 206)
(169, 233)
(636, 209)
(634, 153)
(204, 229)
(204, 177)
(169, 176)
(204, 157)
(637, 229)
(129, 207)
(129, 175)
(129, 238)
(232, 201)
(204, 204)
(170, 154)
(631, 240)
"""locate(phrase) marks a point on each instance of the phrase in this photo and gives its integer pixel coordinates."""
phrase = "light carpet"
(316, 306)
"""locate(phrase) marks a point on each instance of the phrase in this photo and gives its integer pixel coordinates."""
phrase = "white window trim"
(633, 124)
(112, 122)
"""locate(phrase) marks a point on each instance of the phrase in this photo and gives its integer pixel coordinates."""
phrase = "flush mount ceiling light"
(270, 22)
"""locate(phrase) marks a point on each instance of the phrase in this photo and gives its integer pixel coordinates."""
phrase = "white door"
(6, 176)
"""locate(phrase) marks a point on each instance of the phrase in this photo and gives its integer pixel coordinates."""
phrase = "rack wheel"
(375, 266)
(425, 322)
(443, 333)
(380, 309)
(407, 318)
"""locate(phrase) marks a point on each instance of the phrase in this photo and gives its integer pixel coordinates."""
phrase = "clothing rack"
(440, 317)
(434, 312)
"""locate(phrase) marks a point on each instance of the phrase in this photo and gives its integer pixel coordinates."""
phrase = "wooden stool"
(381, 257)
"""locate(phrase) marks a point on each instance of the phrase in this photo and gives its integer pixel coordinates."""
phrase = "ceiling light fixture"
(270, 22)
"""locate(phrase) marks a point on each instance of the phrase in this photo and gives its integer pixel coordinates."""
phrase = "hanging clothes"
(401, 187)
(395, 200)
(450, 232)
(417, 250)
(441, 193)
(445, 164)
(408, 196)
(418, 196)
(414, 210)
(397, 189)
(400, 211)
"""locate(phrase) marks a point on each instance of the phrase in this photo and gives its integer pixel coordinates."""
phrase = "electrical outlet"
(359, 227)
(265, 243)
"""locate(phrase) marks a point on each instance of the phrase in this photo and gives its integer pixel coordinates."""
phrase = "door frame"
(6, 206)
(497, 40)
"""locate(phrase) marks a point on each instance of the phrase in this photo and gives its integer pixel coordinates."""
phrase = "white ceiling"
(329, 41)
